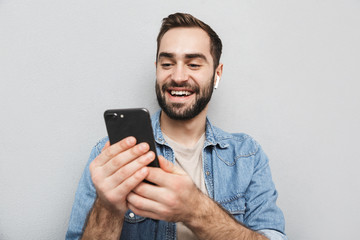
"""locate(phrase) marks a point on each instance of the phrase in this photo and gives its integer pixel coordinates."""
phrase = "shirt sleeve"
(272, 234)
(84, 198)
(261, 209)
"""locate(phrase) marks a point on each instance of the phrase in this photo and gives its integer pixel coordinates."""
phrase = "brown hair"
(186, 20)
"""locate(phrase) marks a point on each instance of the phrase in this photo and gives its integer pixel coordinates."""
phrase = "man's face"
(184, 73)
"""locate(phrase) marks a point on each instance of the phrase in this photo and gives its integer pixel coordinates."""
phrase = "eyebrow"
(187, 56)
(166, 55)
(195, 55)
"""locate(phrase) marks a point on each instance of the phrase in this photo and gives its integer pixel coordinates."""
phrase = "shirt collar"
(212, 136)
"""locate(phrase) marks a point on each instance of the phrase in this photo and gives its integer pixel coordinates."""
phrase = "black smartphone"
(122, 123)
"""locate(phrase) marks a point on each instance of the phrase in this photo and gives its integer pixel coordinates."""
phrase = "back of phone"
(122, 123)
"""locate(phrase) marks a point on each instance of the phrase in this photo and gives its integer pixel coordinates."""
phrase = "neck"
(185, 132)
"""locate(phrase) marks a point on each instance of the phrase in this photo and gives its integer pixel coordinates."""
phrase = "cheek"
(161, 76)
(203, 79)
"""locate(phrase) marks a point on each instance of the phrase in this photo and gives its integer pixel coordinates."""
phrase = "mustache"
(186, 85)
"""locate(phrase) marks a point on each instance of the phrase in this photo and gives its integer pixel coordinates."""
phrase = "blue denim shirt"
(237, 176)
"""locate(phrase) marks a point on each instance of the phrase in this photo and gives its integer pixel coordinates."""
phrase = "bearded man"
(210, 185)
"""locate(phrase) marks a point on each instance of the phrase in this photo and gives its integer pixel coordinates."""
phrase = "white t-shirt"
(190, 160)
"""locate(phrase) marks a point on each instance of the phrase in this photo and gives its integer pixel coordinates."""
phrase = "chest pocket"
(235, 206)
(131, 217)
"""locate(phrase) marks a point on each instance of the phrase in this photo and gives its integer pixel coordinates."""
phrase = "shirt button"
(207, 173)
(131, 215)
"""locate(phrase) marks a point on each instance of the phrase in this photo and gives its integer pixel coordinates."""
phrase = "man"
(210, 184)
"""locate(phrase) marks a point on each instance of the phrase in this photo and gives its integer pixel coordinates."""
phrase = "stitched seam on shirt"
(238, 196)
(226, 162)
(241, 140)
(250, 154)
(231, 136)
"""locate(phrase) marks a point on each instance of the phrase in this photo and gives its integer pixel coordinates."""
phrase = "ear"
(218, 74)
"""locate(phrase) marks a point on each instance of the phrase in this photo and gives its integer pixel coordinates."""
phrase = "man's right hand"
(118, 170)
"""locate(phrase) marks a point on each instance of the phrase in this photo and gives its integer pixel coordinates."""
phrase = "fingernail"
(150, 155)
(143, 146)
(146, 158)
(130, 140)
(143, 170)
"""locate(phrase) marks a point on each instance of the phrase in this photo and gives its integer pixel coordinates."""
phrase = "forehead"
(180, 41)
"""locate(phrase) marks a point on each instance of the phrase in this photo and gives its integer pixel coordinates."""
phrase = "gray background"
(291, 80)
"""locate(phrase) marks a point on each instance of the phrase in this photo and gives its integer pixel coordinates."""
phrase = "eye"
(194, 66)
(166, 65)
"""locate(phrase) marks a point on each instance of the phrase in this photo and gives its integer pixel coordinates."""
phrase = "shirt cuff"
(272, 234)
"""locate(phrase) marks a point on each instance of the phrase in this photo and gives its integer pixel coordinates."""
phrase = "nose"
(179, 74)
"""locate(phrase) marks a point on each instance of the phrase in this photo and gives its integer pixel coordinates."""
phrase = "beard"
(177, 111)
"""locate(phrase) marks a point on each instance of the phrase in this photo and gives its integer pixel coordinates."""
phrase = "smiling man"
(185, 73)
(210, 184)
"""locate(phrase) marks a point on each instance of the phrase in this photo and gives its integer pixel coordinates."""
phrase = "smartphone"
(122, 123)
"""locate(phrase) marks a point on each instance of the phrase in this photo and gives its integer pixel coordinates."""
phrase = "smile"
(180, 93)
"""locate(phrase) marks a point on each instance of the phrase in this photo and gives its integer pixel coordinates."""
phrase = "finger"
(130, 183)
(159, 177)
(128, 170)
(125, 158)
(143, 206)
(107, 144)
(169, 167)
(152, 192)
(143, 213)
(113, 150)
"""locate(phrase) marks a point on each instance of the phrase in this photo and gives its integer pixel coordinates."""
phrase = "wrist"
(103, 223)
(201, 211)
(115, 208)
(108, 210)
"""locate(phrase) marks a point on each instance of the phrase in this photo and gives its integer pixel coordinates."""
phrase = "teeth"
(180, 93)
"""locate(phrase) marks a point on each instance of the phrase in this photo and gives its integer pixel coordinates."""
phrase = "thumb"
(107, 144)
(169, 167)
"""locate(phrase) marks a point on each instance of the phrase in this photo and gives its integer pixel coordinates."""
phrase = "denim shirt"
(237, 176)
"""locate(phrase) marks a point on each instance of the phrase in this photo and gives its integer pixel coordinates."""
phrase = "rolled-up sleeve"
(272, 234)
(84, 198)
(261, 195)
